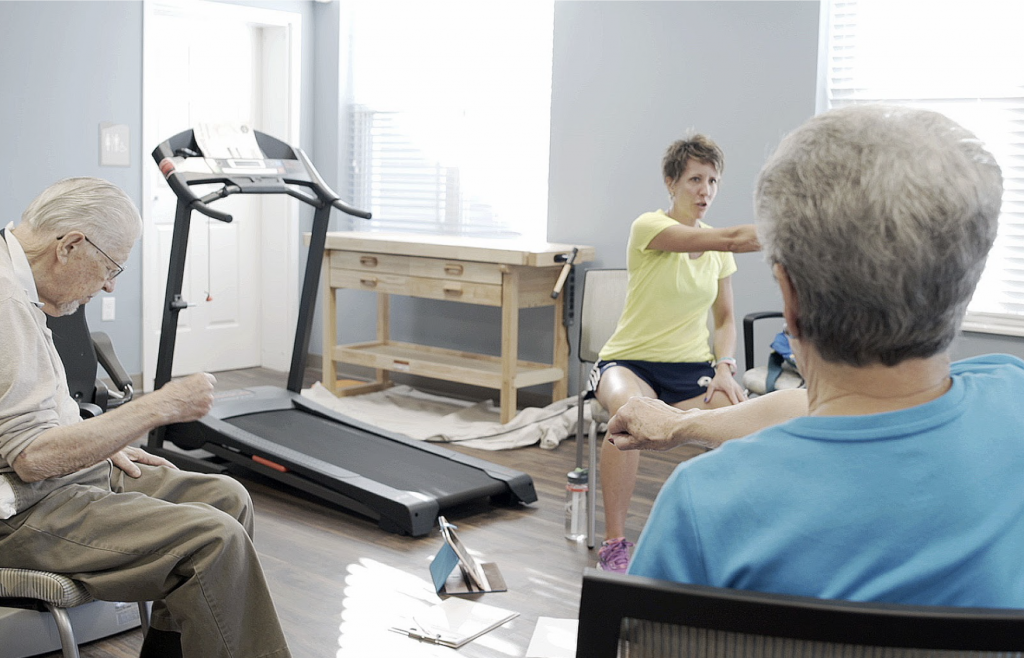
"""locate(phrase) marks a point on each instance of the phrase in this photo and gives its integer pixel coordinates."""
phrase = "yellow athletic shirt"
(668, 298)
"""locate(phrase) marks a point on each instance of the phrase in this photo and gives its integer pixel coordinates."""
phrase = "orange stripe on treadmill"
(269, 464)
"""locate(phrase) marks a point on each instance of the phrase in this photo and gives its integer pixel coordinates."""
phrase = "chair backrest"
(748, 334)
(82, 352)
(638, 617)
(604, 295)
(74, 344)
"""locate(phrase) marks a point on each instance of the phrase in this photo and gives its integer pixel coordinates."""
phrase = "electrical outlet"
(108, 309)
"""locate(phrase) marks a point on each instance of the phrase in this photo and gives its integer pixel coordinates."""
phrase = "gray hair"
(94, 206)
(883, 217)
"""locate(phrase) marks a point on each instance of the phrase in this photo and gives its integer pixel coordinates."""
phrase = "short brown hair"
(698, 147)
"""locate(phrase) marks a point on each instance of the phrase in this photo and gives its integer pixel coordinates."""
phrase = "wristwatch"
(728, 360)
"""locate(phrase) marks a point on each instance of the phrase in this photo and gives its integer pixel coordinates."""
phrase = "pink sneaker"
(614, 555)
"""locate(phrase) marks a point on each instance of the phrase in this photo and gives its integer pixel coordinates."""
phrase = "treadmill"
(402, 483)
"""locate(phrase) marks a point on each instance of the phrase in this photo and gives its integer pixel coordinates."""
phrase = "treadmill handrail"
(328, 194)
(281, 169)
(164, 156)
(179, 185)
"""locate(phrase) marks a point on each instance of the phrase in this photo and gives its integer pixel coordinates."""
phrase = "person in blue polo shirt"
(895, 476)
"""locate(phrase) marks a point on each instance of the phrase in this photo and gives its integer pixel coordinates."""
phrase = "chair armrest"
(107, 357)
(89, 410)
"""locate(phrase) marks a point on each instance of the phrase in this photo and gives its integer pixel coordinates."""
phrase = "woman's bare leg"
(618, 468)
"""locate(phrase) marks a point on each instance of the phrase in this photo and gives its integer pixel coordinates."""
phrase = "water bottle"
(576, 504)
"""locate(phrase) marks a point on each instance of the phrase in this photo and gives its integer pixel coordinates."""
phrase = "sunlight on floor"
(378, 597)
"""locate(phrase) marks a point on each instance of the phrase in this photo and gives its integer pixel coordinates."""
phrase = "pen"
(418, 634)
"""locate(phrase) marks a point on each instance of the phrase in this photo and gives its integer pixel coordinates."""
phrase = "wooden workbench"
(508, 274)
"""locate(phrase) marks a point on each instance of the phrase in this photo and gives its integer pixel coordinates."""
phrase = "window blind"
(962, 58)
(449, 114)
(406, 188)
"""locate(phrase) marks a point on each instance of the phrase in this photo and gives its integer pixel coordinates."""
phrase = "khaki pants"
(180, 539)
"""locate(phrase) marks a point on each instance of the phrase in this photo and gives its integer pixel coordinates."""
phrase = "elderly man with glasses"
(75, 496)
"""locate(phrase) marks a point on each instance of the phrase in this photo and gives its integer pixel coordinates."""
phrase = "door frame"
(279, 240)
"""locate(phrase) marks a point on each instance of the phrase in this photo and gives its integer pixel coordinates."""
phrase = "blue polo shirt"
(922, 506)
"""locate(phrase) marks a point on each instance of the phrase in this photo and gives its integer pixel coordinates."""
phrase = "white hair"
(882, 216)
(94, 206)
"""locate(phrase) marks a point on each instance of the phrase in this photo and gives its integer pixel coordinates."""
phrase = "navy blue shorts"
(672, 382)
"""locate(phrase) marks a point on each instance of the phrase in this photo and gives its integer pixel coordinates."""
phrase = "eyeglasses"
(117, 268)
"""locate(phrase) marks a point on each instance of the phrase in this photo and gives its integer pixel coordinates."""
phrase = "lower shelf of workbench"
(442, 363)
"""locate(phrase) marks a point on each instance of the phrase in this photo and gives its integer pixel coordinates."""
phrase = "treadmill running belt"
(392, 463)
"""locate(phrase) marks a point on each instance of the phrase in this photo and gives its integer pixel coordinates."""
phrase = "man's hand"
(185, 399)
(69, 448)
(126, 458)
(649, 424)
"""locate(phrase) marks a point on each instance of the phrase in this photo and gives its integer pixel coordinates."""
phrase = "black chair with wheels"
(623, 615)
(81, 353)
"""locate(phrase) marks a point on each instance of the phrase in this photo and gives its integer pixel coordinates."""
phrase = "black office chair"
(775, 374)
(81, 352)
(638, 617)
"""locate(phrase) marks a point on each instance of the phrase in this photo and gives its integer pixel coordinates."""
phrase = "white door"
(211, 66)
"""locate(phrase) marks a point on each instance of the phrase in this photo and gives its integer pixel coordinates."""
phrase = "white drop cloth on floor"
(429, 417)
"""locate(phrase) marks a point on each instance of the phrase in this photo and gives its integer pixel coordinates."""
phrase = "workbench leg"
(509, 342)
(560, 389)
(383, 333)
(328, 374)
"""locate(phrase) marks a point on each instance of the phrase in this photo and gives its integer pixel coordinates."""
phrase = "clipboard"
(471, 577)
(454, 622)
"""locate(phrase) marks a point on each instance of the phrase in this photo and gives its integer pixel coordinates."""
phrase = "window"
(962, 58)
(449, 113)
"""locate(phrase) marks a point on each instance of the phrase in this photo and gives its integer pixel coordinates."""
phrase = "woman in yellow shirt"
(679, 271)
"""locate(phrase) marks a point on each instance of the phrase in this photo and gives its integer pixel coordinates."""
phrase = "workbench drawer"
(431, 268)
(415, 286)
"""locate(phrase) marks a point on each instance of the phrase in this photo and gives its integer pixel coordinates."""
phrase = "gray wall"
(65, 67)
(631, 77)
(628, 78)
(973, 344)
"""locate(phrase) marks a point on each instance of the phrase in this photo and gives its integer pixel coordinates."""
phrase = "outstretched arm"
(649, 424)
(680, 238)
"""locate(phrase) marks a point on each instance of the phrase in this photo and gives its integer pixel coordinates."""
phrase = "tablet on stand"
(471, 577)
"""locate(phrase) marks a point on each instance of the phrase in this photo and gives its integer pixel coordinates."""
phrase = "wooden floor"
(339, 581)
